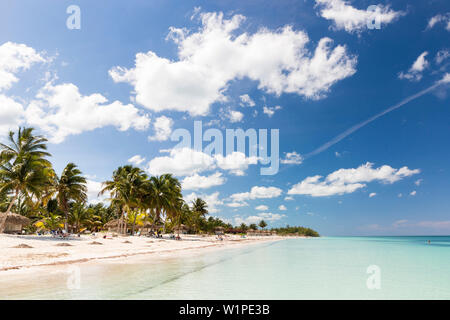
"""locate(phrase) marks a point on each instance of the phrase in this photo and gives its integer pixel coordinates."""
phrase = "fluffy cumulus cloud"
(348, 18)
(219, 52)
(236, 162)
(262, 208)
(235, 116)
(372, 194)
(266, 216)
(13, 59)
(415, 72)
(212, 200)
(246, 101)
(186, 161)
(196, 181)
(438, 19)
(11, 114)
(257, 192)
(236, 204)
(163, 129)
(61, 110)
(270, 111)
(181, 162)
(94, 188)
(349, 180)
(282, 207)
(292, 158)
(136, 160)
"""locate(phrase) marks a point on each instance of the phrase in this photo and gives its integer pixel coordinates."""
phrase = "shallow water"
(318, 268)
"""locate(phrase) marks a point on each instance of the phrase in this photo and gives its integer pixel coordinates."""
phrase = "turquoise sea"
(316, 268)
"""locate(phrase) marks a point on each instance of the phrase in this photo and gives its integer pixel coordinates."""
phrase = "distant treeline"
(296, 230)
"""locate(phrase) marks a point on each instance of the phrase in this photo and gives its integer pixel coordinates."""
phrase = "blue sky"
(316, 60)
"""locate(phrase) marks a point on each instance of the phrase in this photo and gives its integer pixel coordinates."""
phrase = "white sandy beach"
(48, 251)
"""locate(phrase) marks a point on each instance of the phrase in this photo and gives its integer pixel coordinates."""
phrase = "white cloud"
(246, 101)
(266, 216)
(288, 198)
(181, 162)
(445, 78)
(196, 181)
(442, 55)
(282, 207)
(257, 192)
(292, 158)
(262, 208)
(440, 225)
(237, 204)
(94, 189)
(418, 182)
(62, 111)
(186, 161)
(373, 194)
(13, 59)
(163, 129)
(445, 18)
(400, 195)
(11, 114)
(270, 111)
(413, 193)
(136, 160)
(349, 180)
(235, 162)
(212, 200)
(415, 72)
(235, 116)
(345, 17)
(209, 59)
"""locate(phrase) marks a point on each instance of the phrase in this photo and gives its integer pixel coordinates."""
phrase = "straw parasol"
(12, 222)
(219, 230)
(180, 229)
(115, 225)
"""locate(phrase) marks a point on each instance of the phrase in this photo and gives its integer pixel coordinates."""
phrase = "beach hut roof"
(112, 224)
(220, 228)
(12, 218)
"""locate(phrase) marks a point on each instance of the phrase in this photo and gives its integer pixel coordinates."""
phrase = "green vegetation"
(288, 230)
(29, 186)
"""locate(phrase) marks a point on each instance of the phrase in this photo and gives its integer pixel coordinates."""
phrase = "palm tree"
(165, 195)
(126, 191)
(262, 224)
(200, 207)
(23, 167)
(71, 186)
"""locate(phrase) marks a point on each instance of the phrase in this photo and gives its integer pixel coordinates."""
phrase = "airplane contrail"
(358, 126)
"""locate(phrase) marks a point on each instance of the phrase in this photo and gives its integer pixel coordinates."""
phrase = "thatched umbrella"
(179, 229)
(114, 225)
(12, 222)
(219, 231)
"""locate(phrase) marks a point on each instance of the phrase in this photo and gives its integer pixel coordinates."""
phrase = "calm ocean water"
(322, 268)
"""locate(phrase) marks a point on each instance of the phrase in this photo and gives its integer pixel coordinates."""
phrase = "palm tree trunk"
(122, 228)
(12, 201)
(134, 224)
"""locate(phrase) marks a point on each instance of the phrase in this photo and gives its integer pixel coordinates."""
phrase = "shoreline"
(45, 251)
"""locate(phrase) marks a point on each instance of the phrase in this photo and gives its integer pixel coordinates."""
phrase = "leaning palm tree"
(71, 186)
(23, 167)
